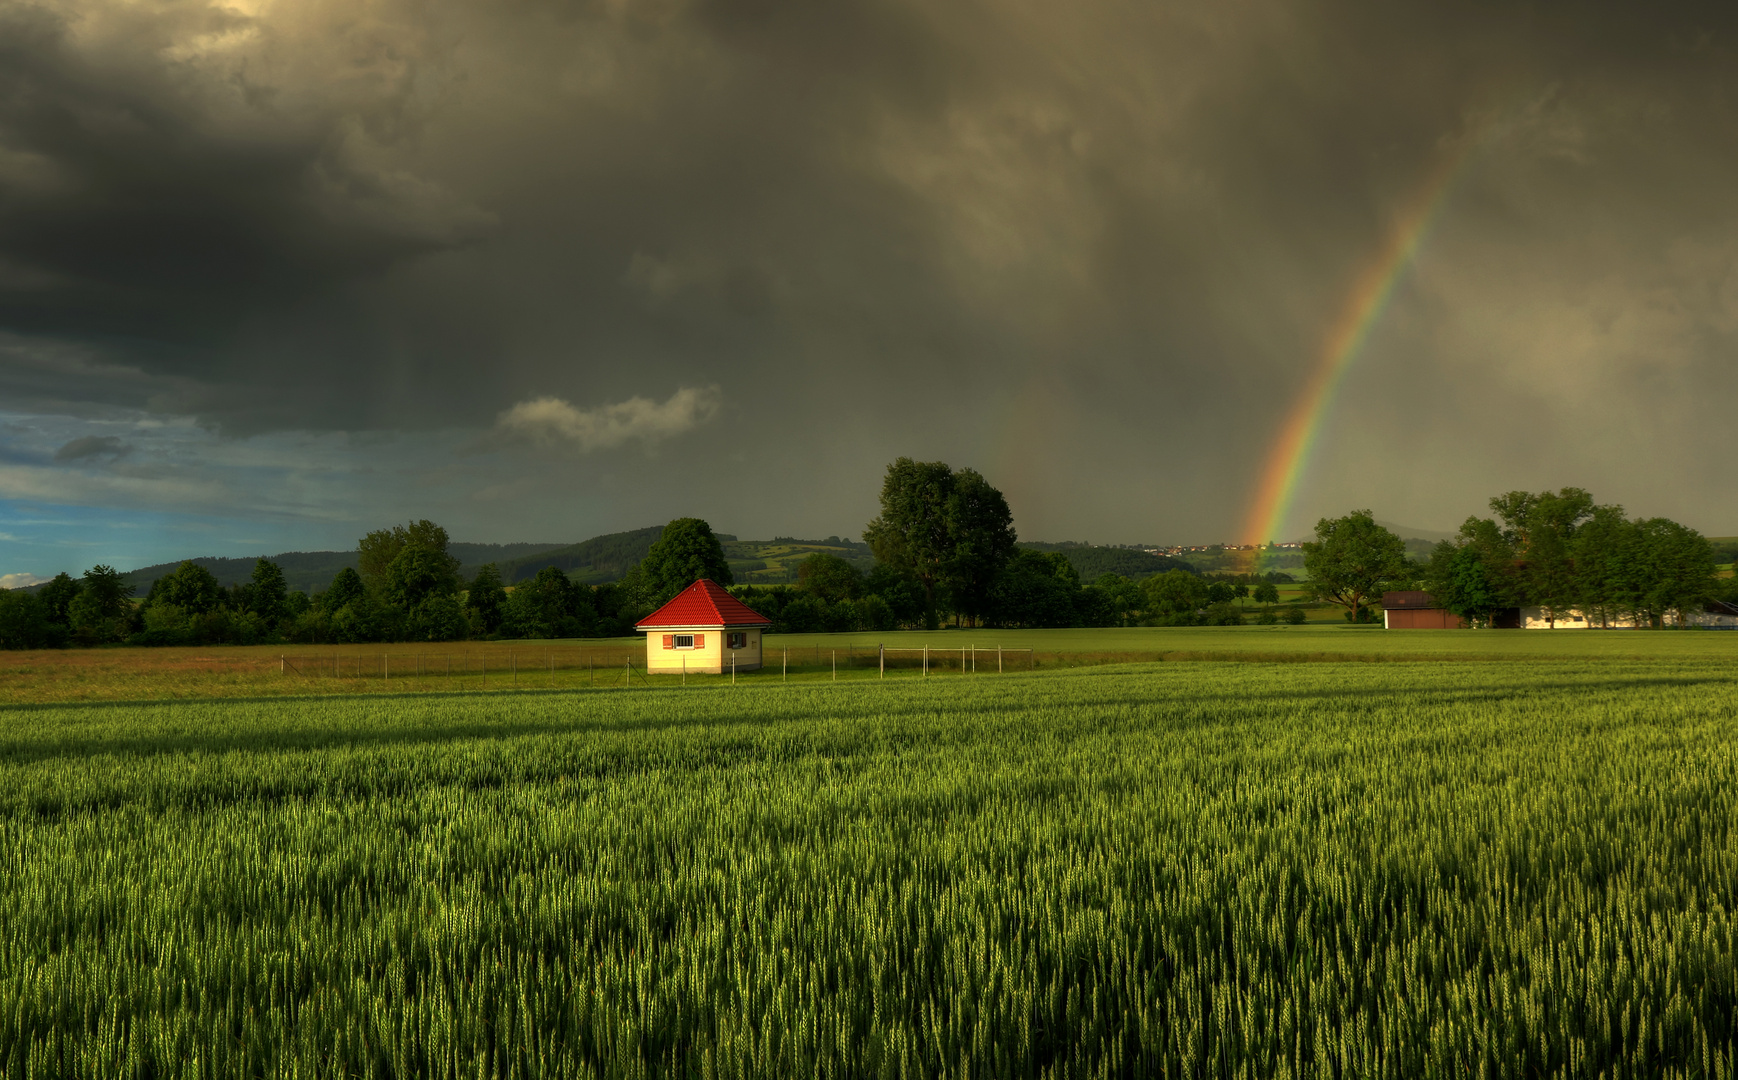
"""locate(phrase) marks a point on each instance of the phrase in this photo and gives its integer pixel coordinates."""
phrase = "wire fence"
(966, 659)
(623, 666)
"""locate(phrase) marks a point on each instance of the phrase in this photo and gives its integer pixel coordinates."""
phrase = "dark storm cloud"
(92, 446)
(1088, 248)
(178, 215)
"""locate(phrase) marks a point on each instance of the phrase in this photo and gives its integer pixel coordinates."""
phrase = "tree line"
(945, 551)
(1558, 551)
(944, 545)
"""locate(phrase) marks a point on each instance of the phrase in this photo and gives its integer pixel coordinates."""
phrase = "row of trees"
(1558, 551)
(88, 611)
(944, 545)
(1562, 552)
(406, 588)
(1031, 589)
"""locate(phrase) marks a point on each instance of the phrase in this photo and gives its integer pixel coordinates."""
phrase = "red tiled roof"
(704, 603)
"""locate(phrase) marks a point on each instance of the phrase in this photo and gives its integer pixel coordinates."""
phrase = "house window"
(683, 641)
(739, 640)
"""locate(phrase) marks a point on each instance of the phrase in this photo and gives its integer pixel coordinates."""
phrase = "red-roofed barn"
(1416, 611)
(704, 629)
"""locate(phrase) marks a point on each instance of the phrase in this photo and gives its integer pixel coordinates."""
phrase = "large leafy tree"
(686, 552)
(1174, 596)
(24, 622)
(192, 588)
(1038, 589)
(950, 532)
(378, 549)
(417, 573)
(1112, 600)
(486, 597)
(1609, 566)
(911, 534)
(106, 591)
(550, 605)
(346, 589)
(981, 529)
(100, 610)
(1540, 528)
(57, 598)
(829, 578)
(1351, 559)
(1459, 580)
(1476, 574)
(268, 594)
(1679, 569)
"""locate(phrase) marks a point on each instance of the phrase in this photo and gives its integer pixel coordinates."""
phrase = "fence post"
(732, 667)
(280, 663)
(882, 650)
(835, 665)
(784, 671)
(962, 659)
(926, 661)
(684, 669)
(385, 672)
(998, 659)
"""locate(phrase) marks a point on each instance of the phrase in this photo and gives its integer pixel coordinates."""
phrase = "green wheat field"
(1466, 867)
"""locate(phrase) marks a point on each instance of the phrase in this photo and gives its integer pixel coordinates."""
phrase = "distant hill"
(595, 561)
(775, 561)
(304, 571)
(1407, 532)
(610, 557)
(1092, 562)
(600, 559)
(312, 571)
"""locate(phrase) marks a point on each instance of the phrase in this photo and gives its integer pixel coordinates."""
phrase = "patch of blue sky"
(39, 540)
(134, 490)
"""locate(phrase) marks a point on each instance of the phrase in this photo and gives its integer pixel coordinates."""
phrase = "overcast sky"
(273, 274)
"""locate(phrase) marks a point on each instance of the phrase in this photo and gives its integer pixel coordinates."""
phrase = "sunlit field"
(133, 674)
(1397, 869)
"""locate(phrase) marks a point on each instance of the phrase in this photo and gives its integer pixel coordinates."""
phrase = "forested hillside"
(591, 562)
(311, 571)
(1092, 562)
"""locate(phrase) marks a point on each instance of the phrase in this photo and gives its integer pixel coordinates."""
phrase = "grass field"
(1476, 864)
(124, 674)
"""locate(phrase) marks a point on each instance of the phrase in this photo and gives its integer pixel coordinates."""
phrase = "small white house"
(1542, 618)
(1715, 615)
(704, 630)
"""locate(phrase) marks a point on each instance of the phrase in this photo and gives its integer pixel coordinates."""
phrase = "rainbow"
(1290, 455)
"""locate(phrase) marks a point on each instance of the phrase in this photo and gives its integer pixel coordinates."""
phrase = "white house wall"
(1535, 618)
(712, 658)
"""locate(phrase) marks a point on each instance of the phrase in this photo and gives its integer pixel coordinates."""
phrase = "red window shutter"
(669, 641)
(699, 641)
